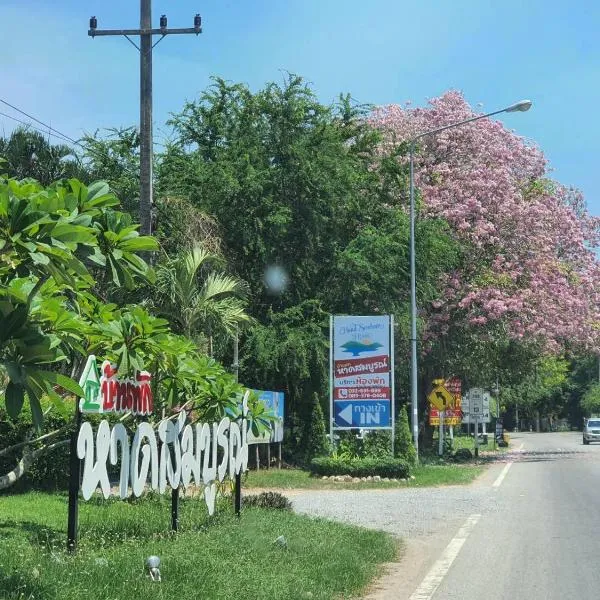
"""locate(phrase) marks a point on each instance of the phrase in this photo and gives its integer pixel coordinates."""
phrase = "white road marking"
(502, 475)
(438, 571)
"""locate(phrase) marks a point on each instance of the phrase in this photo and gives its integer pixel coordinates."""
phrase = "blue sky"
(381, 51)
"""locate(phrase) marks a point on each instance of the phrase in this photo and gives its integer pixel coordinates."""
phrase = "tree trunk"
(23, 465)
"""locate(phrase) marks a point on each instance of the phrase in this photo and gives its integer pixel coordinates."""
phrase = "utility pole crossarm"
(101, 32)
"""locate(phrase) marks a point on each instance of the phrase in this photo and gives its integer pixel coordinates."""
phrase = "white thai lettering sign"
(202, 453)
(105, 392)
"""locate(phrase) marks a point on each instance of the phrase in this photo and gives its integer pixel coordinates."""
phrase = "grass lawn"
(425, 475)
(465, 441)
(220, 557)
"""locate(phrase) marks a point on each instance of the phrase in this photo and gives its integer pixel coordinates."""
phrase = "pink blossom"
(529, 261)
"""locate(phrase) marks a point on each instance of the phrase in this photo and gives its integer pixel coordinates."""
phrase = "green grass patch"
(449, 474)
(464, 441)
(220, 557)
(425, 475)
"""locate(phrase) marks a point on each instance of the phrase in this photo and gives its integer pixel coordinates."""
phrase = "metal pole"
(392, 382)
(74, 476)
(237, 498)
(175, 509)
(413, 310)
(476, 436)
(236, 356)
(522, 106)
(331, 416)
(441, 440)
(146, 118)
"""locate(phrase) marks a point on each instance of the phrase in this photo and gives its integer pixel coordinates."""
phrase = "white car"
(591, 431)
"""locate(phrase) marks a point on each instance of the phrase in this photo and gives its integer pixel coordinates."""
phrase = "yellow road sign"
(441, 398)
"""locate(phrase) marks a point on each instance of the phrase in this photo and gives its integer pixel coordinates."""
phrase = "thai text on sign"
(172, 454)
(106, 392)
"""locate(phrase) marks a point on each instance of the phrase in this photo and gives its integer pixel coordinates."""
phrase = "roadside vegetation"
(220, 557)
(424, 476)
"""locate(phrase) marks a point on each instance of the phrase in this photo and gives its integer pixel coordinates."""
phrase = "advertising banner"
(361, 372)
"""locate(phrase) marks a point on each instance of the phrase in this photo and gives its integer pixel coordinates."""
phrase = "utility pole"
(146, 34)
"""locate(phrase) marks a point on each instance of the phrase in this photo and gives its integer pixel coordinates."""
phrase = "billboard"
(273, 401)
(361, 372)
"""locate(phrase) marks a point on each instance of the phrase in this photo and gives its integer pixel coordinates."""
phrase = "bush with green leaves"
(62, 248)
(267, 500)
(462, 455)
(56, 243)
(361, 467)
(377, 444)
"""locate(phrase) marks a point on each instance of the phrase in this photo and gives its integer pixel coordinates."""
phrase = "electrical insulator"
(163, 22)
(197, 22)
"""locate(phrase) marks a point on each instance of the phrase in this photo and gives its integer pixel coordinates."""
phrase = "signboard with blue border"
(365, 414)
(362, 372)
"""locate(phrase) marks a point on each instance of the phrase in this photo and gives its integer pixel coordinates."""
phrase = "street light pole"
(413, 308)
(522, 106)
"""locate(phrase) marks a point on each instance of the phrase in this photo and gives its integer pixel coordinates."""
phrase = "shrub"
(267, 500)
(377, 444)
(462, 455)
(49, 471)
(403, 444)
(315, 441)
(361, 467)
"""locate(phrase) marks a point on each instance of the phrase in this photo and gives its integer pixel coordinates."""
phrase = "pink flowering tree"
(528, 271)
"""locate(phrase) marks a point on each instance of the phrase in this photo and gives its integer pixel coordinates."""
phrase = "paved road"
(529, 528)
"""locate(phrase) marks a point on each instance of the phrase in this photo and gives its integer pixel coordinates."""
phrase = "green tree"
(315, 442)
(403, 445)
(289, 352)
(115, 158)
(198, 300)
(284, 175)
(590, 402)
(28, 154)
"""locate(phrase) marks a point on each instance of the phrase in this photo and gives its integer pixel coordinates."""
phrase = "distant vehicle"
(591, 430)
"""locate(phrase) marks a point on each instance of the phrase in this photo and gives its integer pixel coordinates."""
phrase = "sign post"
(476, 437)
(74, 477)
(441, 445)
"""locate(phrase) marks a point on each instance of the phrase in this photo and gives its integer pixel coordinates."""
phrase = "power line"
(62, 136)
(56, 135)
(59, 135)
(70, 139)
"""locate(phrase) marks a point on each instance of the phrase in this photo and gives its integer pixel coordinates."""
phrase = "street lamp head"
(522, 106)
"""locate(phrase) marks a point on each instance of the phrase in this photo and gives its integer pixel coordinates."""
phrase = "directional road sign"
(441, 398)
(362, 413)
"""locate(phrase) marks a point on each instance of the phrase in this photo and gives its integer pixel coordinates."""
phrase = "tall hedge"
(403, 444)
(315, 442)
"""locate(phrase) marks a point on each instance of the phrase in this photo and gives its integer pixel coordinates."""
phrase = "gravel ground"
(405, 512)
